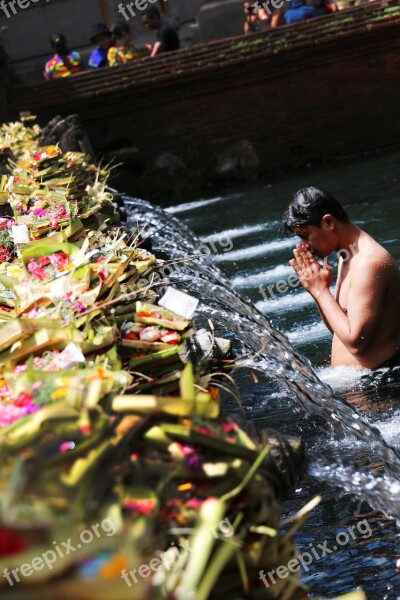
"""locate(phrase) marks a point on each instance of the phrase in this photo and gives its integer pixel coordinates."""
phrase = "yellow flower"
(14, 271)
(52, 151)
(100, 373)
(185, 487)
(58, 394)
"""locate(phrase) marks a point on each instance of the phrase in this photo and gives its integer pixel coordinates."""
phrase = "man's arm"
(156, 49)
(336, 295)
(355, 330)
(325, 319)
(277, 18)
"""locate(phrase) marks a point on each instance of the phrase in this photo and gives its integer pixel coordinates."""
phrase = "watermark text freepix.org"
(128, 10)
(166, 560)
(12, 7)
(59, 551)
(316, 552)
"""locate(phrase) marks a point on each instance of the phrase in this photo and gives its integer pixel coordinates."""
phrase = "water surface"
(258, 255)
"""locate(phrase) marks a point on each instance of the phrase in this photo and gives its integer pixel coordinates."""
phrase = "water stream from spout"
(269, 352)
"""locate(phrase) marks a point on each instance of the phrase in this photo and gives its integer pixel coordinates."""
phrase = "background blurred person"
(64, 62)
(257, 18)
(124, 50)
(167, 38)
(325, 7)
(299, 11)
(102, 37)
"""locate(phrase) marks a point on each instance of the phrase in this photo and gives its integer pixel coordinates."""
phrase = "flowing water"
(347, 441)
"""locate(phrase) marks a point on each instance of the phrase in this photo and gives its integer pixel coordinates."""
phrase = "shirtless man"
(363, 314)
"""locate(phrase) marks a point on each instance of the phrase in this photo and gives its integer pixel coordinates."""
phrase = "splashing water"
(378, 491)
(273, 355)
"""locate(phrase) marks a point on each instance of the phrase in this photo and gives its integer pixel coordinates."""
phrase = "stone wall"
(3, 85)
(221, 19)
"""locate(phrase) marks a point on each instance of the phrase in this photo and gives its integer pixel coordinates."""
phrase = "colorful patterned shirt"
(120, 56)
(98, 59)
(59, 67)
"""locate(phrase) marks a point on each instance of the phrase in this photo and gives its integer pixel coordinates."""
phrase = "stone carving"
(239, 162)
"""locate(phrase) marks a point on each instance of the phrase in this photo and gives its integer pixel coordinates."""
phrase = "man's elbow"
(358, 346)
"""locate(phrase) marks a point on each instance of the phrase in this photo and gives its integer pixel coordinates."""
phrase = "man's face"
(321, 240)
(104, 41)
(151, 22)
(125, 39)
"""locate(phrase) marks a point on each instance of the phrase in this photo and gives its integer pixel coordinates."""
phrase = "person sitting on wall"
(257, 18)
(64, 62)
(102, 37)
(124, 50)
(167, 38)
(299, 11)
(324, 7)
(328, 6)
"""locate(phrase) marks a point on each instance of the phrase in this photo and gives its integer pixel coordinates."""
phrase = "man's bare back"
(363, 314)
(371, 263)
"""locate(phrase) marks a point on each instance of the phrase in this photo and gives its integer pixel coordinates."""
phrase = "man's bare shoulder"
(374, 259)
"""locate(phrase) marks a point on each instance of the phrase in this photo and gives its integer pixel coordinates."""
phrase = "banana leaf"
(171, 406)
(156, 315)
(55, 338)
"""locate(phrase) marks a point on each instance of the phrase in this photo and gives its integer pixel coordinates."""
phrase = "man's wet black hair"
(308, 207)
(152, 12)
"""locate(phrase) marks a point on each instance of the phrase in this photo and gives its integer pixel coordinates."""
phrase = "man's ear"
(329, 221)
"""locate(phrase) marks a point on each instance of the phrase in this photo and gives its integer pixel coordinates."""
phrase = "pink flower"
(24, 399)
(206, 431)
(62, 212)
(35, 270)
(187, 450)
(194, 503)
(142, 507)
(80, 306)
(59, 259)
(44, 261)
(85, 429)
(228, 427)
(65, 446)
(10, 413)
(40, 212)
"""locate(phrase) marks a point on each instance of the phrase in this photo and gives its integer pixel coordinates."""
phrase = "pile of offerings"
(119, 478)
